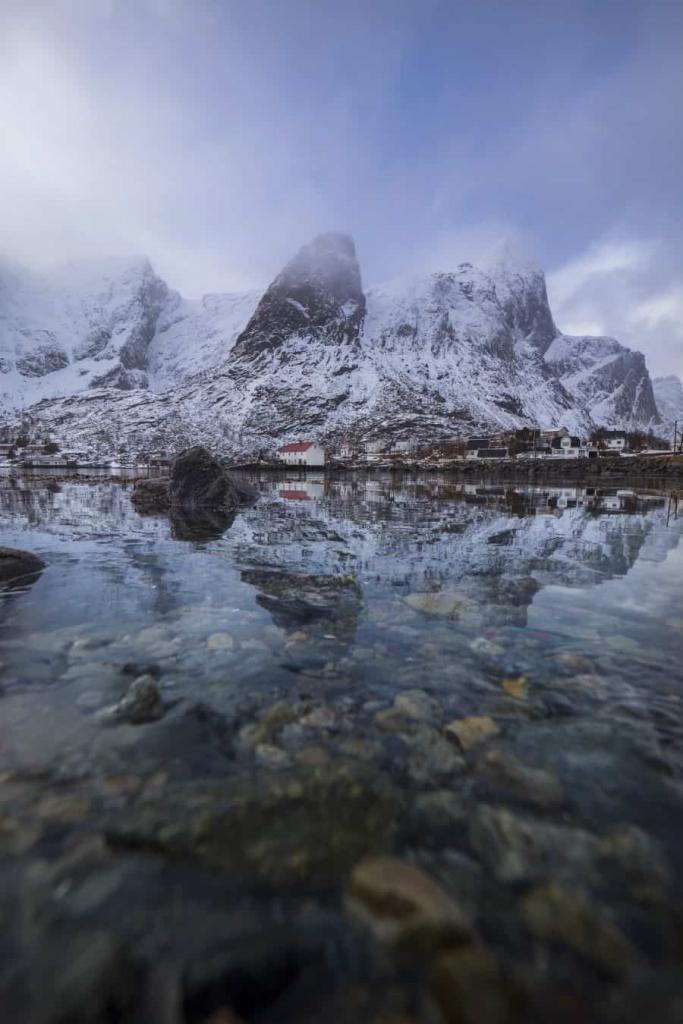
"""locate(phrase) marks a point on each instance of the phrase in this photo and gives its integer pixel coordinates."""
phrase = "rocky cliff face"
(607, 378)
(85, 326)
(444, 355)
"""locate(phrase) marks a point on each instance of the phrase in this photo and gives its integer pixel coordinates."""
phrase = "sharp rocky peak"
(318, 294)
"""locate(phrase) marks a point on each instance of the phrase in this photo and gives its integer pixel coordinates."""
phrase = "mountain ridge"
(441, 355)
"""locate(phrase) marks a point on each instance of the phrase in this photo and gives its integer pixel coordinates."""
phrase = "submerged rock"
(141, 703)
(470, 987)
(19, 566)
(471, 732)
(404, 906)
(520, 849)
(556, 914)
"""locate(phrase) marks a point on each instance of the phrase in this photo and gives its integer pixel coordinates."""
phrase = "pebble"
(515, 686)
(220, 642)
(473, 731)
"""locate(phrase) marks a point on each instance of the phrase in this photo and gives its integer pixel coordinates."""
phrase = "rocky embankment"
(669, 467)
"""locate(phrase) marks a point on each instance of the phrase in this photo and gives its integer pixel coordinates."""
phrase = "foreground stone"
(16, 565)
(308, 825)
(556, 914)
(470, 988)
(521, 849)
(471, 732)
(405, 907)
(141, 703)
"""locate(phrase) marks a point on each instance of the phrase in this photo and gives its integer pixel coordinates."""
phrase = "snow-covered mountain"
(443, 355)
(610, 380)
(669, 397)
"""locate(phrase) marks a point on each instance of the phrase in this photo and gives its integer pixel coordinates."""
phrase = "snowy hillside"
(669, 396)
(607, 378)
(113, 323)
(444, 355)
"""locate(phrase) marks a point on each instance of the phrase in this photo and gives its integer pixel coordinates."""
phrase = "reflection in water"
(484, 681)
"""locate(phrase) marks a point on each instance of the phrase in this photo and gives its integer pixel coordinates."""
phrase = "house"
(566, 446)
(616, 440)
(483, 448)
(474, 446)
(302, 453)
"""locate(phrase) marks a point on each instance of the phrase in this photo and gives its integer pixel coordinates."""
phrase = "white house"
(302, 453)
(566, 446)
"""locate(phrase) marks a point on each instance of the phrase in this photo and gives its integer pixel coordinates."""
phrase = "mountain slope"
(669, 397)
(609, 379)
(444, 355)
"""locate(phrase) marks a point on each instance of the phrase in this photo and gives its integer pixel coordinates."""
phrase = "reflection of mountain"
(430, 533)
(320, 551)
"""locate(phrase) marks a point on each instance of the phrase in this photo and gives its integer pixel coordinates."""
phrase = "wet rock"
(65, 807)
(271, 756)
(220, 642)
(432, 759)
(199, 481)
(472, 732)
(556, 914)
(440, 809)
(83, 977)
(142, 703)
(415, 704)
(504, 772)
(310, 825)
(638, 858)
(515, 686)
(519, 849)
(469, 987)
(273, 719)
(442, 603)
(403, 906)
(19, 566)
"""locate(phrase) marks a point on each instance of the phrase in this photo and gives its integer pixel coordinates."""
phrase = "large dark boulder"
(200, 496)
(199, 481)
(19, 566)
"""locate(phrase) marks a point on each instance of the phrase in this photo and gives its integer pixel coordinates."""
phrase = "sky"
(217, 136)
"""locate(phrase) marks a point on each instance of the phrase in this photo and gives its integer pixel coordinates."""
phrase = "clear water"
(280, 646)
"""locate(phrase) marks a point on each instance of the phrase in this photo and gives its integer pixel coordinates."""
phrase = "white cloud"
(624, 288)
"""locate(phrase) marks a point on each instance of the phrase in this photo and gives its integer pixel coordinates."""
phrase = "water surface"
(311, 657)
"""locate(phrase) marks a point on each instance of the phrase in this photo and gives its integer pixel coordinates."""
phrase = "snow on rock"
(669, 397)
(444, 355)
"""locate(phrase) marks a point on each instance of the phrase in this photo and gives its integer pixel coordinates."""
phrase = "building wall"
(313, 456)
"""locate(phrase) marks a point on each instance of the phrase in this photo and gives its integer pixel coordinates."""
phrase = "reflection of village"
(519, 500)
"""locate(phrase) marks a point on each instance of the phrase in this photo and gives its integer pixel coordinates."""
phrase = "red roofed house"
(302, 453)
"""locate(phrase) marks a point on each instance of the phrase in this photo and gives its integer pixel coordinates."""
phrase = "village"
(523, 445)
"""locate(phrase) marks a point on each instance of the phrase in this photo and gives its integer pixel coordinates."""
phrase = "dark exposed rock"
(19, 566)
(199, 481)
(201, 497)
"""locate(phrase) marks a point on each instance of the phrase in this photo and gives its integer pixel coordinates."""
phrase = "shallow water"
(310, 659)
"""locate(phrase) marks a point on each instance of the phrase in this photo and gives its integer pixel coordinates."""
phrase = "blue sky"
(216, 137)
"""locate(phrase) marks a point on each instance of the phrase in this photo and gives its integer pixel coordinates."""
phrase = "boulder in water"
(19, 566)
